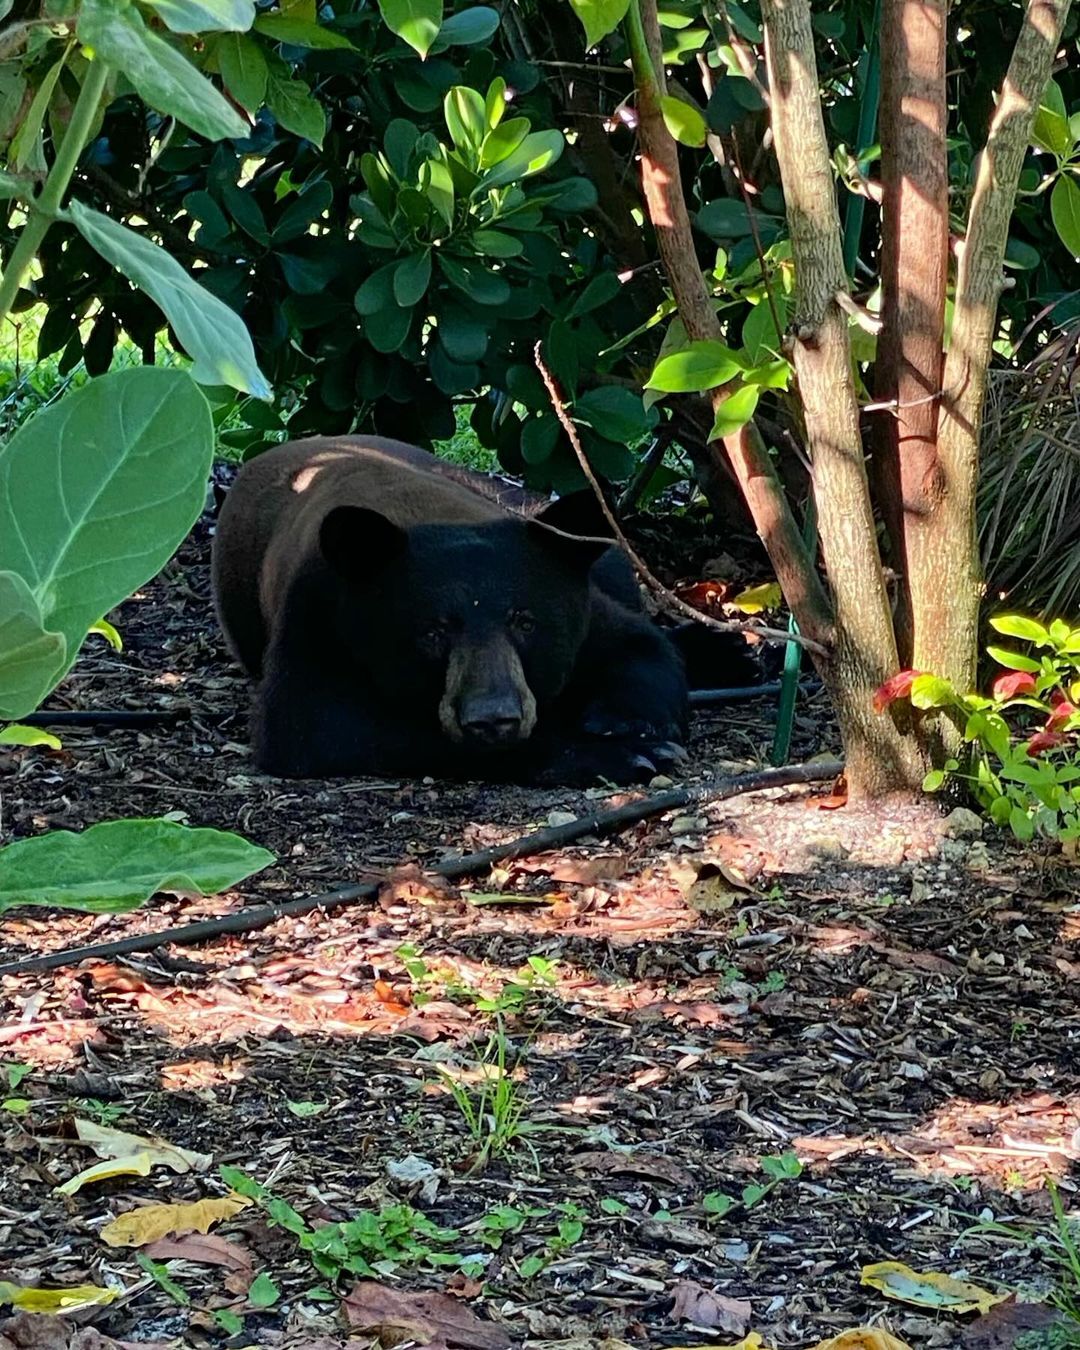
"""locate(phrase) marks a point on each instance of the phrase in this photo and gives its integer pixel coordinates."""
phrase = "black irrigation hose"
(540, 841)
(138, 717)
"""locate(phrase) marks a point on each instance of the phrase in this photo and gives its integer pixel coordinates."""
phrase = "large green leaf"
(116, 866)
(300, 33)
(1051, 128)
(466, 117)
(470, 27)
(31, 658)
(538, 151)
(162, 76)
(98, 490)
(599, 17)
(210, 332)
(412, 278)
(735, 411)
(296, 109)
(683, 121)
(416, 22)
(699, 366)
(615, 413)
(206, 16)
(1065, 212)
(243, 68)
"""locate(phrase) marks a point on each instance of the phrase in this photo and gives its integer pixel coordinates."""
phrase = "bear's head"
(481, 623)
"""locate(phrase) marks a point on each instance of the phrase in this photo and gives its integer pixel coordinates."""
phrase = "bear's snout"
(487, 700)
(492, 719)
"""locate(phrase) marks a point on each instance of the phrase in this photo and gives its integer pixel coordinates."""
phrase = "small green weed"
(159, 1273)
(105, 1113)
(15, 1073)
(494, 1114)
(370, 1244)
(778, 1168)
(570, 1229)
(504, 1221)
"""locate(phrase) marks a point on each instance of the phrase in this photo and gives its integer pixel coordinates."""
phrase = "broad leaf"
(30, 737)
(116, 866)
(470, 27)
(466, 117)
(243, 68)
(1051, 128)
(416, 22)
(683, 121)
(699, 366)
(296, 109)
(10, 186)
(206, 16)
(25, 145)
(503, 140)
(538, 151)
(599, 17)
(162, 76)
(1065, 212)
(98, 490)
(1018, 626)
(615, 413)
(300, 33)
(303, 211)
(31, 657)
(726, 218)
(212, 334)
(735, 411)
(480, 285)
(412, 278)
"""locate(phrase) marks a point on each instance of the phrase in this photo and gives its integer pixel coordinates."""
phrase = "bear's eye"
(435, 637)
(523, 621)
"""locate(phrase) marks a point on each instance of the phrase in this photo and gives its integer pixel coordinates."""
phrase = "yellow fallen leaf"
(862, 1338)
(138, 1165)
(927, 1289)
(756, 598)
(109, 1143)
(150, 1223)
(67, 1300)
(751, 1341)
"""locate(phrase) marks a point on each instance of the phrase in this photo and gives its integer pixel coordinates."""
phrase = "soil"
(873, 1019)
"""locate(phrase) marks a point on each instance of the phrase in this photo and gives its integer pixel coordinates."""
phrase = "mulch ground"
(889, 1010)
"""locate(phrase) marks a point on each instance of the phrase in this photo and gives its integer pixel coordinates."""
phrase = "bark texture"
(948, 645)
(880, 757)
(907, 471)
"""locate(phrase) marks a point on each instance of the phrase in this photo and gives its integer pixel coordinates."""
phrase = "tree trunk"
(880, 757)
(907, 471)
(946, 637)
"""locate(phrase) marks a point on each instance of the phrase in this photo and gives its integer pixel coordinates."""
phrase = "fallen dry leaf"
(136, 1166)
(862, 1338)
(151, 1223)
(429, 1318)
(928, 1289)
(1000, 1328)
(637, 1164)
(109, 1143)
(205, 1250)
(70, 1299)
(708, 1310)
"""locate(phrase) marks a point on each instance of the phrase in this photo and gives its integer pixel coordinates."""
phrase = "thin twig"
(654, 584)
(540, 841)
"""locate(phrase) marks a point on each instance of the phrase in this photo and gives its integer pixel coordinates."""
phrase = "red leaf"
(1045, 740)
(896, 686)
(1011, 683)
(1060, 712)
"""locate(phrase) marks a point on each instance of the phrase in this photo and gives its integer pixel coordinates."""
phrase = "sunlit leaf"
(150, 1223)
(599, 17)
(683, 121)
(928, 1289)
(416, 22)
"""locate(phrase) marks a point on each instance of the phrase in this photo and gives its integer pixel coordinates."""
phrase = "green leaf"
(1051, 128)
(735, 411)
(439, 189)
(615, 413)
(206, 16)
(934, 780)
(210, 332)
(495, 102)
(480, 285)
(296, 109)
(683, 121)
(162, 76)
(503, 141)
(416, 22)
(96, 492)
(116, 866)
(463, 336)
(29, 736)
(539, 437)
(25, 145)
(10, 186)
(32, 659)
(496, 244)
(931, 691)
(1065, 213)
(103, 628)
(301, 214)
(1013, 660)
(263, 1292)
(243, 68)
(599, 17)
(301, 33)
(466, 118)
(726, 218)
(699, 366)
(538, 151)
(412, 277)
(1017, 626)
(759, 335)
(388, 329)
(470, 27)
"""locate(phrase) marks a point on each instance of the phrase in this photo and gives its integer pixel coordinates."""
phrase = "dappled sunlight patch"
(195, 1075)
(1012, 1145)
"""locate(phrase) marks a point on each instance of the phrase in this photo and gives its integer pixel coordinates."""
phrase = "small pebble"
(560, 818)
(962, 824)
(688, 824)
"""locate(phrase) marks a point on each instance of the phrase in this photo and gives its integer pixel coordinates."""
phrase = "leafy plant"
(1024, 761)
(569, 1231)
(495, 1113)
(373, 1243)
(778, 1168)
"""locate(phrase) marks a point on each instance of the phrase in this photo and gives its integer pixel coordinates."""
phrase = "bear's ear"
(576, 513)
(579, 554)
(357, 542)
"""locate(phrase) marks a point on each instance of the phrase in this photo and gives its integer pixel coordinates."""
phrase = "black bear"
(406, 616)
